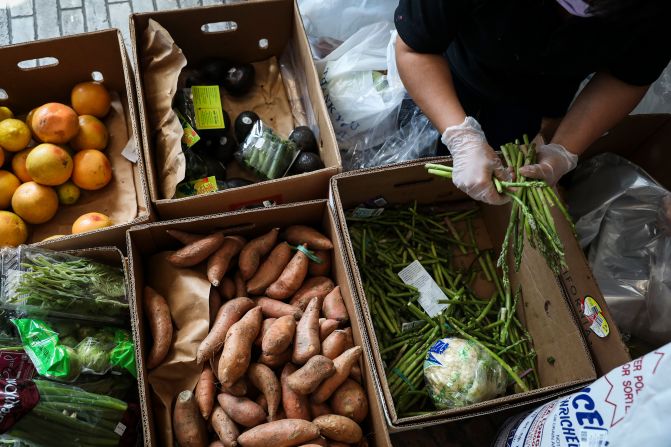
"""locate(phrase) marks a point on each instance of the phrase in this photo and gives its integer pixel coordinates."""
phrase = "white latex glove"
(474, 162)
(552, 162)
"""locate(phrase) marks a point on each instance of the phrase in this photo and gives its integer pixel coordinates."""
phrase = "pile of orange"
(48, 157)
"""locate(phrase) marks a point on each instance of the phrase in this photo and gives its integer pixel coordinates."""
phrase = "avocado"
(233, 183)
(306, 162)
(239, 79)
(304, 139)
(214, 167)
(244, 124)
(196, 168)
(213, 71)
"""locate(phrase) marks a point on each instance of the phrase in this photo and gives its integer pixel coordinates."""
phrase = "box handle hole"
(3, 95)
(97, 76)
(263, 44)
(41, 62)
(219, 27)
(414, 182)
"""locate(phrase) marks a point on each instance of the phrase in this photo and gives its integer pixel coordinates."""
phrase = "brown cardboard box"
(550, 319)
(146, 240)
(280, 23)
(78, 58)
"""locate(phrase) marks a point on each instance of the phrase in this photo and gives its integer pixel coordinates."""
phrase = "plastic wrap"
(622, 215)
(459, 373)
(38, 283)
(265, 153)
(44, 413)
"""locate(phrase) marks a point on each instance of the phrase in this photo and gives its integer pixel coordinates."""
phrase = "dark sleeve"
(644, 59)
(427, 26)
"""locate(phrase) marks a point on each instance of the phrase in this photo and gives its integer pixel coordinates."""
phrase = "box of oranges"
(71, 168)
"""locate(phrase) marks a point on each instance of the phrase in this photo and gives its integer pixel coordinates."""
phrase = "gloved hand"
(474, 162)
(552, 162)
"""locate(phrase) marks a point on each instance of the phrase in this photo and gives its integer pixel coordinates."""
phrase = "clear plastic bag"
(622, 215)
(38, 283)
(46, 413)
(265, 153)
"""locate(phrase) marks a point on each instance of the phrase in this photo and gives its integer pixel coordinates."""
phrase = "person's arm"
(603, 103)
(428, 80)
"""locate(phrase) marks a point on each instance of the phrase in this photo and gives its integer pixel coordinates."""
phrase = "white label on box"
(120, 429)
(429, 293)
(364, 212)
(130, 152)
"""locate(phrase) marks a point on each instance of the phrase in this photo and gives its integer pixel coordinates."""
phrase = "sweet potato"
(326, 328)
(306, 379)
(218, 443)
(237, 351)
(276, 309)
(339, 428)
(242, 410)
(228, 314)
(334, 344)
(215, 305)
(197, 251)
(187, 423)
(284, 433)
(291, 279)
(334, 306)
(350, 338)
(160, 324)
(318, 286)
(254, 250)
(295, 405)
(302, 234)
(342, 364)
(355, 373)
(307, 342)
(264, 379)
(205, 391)
(279, 335)
(263, 403)
(264, 328)
(350, 400)
(275, 360)
(323, 269)
(270, 269)
(339, 444)
(184, 237)
(224, 427)
(238, 389)
(219, 262)
(321, 409)
(227, 288)
(317, 442)
(240, 285)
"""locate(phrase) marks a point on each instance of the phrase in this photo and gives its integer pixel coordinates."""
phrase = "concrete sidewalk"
(27, 20)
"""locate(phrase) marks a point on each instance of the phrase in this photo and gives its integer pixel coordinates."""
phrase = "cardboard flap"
(241, 43)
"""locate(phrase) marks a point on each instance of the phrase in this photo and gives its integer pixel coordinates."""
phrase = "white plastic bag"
(359, 95)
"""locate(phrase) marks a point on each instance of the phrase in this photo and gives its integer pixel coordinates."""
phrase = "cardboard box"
(277, 21)
(146, 240)
(79, 58)
(549, 319)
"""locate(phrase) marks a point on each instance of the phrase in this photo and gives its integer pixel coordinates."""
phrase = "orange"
(55, 123)
(2, 157)
(92, 170)
(92, 134)
(90, 222)
(29, 123)
(49, 164)
(8, 184)
(5, 113)
(35, 203)
(68, 193)
(90, 98)
(14, 134)
(13, 230)
(19, 165)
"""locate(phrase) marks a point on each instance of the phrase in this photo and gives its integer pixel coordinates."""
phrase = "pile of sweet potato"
(280, 365)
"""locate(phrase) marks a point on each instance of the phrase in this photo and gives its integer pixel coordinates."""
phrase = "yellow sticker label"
(207, 107)
(594, 314)
(190, 136)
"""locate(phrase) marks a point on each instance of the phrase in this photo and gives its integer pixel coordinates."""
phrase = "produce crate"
(146, 240)
(547, 310)
(84, 57)
(277, 23)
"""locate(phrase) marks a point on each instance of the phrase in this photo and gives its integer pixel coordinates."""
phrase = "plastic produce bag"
(621, 214)
(44, 413)
(38, 282)
(265, 153)
(627, 407)
(359, 95)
